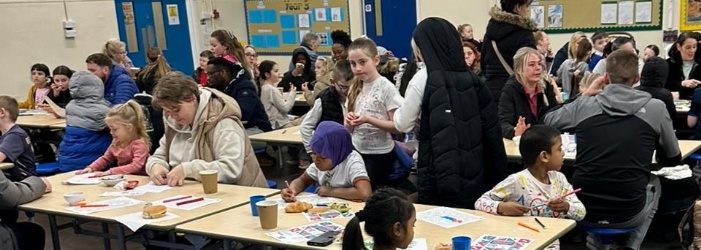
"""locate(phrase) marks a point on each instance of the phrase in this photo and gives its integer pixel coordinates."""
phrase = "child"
(130, 142)
(372, 101)
(225, 44)
(338, 170)
(157, 67)
(39, 89)
(466, 34)
(303, 71)
(389, 218)
(15, 146)
(276, 105)
(599, 40)
(322, 69)
(572, 70)
(59, 93)
(535, 191)
(200, 75)
(650, 51)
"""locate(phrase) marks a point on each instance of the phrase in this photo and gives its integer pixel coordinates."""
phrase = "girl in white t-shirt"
(372, 101)
(276, 104)
(338, 170)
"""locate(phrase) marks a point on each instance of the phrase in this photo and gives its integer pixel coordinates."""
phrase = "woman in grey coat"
(22, 235)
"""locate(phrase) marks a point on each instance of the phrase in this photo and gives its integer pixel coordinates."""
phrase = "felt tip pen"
(190, 201)
(177, 199)
(94, 205)
(529, 227)
(539, 223)
(451, 219)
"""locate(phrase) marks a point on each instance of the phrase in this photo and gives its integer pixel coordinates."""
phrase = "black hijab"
(440, 45)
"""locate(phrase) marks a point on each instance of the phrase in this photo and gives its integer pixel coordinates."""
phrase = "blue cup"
(255, 199)
(461, 243)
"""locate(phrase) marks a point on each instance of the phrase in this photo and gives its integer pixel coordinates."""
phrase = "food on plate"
(298, 207)
(441, 246)
(318, 210)
(341, 207)
(154, 212)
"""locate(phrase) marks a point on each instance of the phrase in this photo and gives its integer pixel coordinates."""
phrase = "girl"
(338, 170)
(59, 93)
(200, 75)
(466, 34)
(157, 67)
(225, 44)
(543, 46)
(323, 69)
(571, 70)
(276, 104)
(389, 218)
(372, 101)
(39, 89)
(117, 51)
(252, 57)
(341, 41)
(650, 51)
(130, 142)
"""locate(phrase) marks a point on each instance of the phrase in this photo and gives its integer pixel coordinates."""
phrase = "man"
(618, 130)
(119, 87)
(310, 43)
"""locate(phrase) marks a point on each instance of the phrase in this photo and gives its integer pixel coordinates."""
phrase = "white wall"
(32, 32)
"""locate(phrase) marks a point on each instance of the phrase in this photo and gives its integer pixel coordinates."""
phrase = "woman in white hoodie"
(203, 131)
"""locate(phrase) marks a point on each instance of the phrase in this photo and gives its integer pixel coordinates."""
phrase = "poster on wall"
(173, 18)
(643, 12)
(690, 15)
(555, 16)
(128, 9)
(538, 15)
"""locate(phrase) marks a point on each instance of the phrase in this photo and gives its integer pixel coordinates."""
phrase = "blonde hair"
(520, 61)
(462, 27)
(538, 35)
(328, 65)
(111, 48)
(156, 61)
(370, 49)
(587, 80)
(131, 113)
(576, 37)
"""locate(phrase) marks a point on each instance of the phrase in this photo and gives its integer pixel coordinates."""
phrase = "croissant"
(298, 207)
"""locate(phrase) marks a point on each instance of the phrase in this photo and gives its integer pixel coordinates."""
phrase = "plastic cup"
(461, 243)
(255, 199)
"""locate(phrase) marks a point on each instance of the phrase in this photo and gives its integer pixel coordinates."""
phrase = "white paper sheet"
(609, 13)
(308, 198)
(83, 179)
(643, 12)
(189, 206)
(416, 244)
(152, 188)
(305, 233)
(112, 204)
(626, 12)
(122, 193)
(446, 217)
(134, 221)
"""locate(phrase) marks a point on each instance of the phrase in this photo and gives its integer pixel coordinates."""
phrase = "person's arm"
(139, 156)
(306, 129)
(691, 121)
(505, 191)
(158, 157)
(306, 179)
(13, 194)
(669, 145)
(12, 146)
(125, 90)
(310, 96)
(283, 103)
(286, 81)
(577, 210)
(507, 115)
(103, 161)
(29, 102)
(386, 125)
(564, 118)
(406, 116)
(228, 147)
(360, 191)
(556, 91)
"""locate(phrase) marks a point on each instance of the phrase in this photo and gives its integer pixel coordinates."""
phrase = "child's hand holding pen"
(559, 205)
(288, 194)
(512, 209)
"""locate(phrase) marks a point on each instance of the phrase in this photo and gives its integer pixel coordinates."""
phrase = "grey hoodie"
(88, 108)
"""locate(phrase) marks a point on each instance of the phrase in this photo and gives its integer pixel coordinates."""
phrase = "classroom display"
(277, 27)
(690, 15)
(563, 16)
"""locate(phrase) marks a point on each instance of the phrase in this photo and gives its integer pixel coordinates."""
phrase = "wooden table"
(40, 121)
(300, 100)
(249, 229)
(682, 106)
(281, 137)
(53, 204)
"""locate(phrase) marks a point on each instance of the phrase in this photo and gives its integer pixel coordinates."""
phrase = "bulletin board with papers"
(567, 16)
(276, 27)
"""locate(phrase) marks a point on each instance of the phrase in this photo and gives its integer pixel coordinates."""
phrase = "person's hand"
(305, 88)
(83, 171)
(350, 117)
(299, 69)
(56, 89)
(521, 126)
(323, 191)
(47, 183)
(176, 176)
(596, 87)
(100, 174)
(691, 83)
(550, 52)
(675, 95)
(576, 73)
(511, 209)
(359, 120)
(159, 174)
(559, 205)
(288, 194)
(293, 89)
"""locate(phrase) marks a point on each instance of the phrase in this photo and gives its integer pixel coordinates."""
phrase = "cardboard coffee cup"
(267, 213)
(209, 181)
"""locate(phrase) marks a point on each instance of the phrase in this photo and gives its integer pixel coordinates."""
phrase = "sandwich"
(154, 212)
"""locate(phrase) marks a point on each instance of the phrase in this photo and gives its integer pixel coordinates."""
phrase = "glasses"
(251, 55)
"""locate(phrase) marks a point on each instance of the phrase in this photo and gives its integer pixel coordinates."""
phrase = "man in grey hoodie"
(618, 130)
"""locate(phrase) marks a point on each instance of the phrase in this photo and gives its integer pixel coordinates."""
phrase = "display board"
(567, 16)
(276, 27)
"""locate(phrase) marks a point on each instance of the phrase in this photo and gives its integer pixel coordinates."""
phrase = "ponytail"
(353, 93)
(382, 210)
(132, 113)
(353, 236)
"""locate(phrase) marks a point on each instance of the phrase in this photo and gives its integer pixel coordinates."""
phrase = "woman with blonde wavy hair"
(117, 51)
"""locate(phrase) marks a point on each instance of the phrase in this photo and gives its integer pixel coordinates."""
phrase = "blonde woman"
(117, 51)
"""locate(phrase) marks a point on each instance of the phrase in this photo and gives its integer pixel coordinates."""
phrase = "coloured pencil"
(189, 201)
(94, 205)
(177, 199)
(527, 226)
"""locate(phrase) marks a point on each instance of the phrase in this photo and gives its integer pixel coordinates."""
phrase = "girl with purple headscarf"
(338, 170)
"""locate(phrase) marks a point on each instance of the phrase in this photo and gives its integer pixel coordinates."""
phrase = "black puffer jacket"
(461, 153)
(511, 32)
(652, 80)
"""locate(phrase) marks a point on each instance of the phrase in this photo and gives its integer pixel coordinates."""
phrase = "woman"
(472, 57)
(157, 67)
(684, 73)
(303, 71)
(252, 58)
(510, 28)
(449, 102)
(341, 41)
(117, 51)
(203, 132)
(525, 87)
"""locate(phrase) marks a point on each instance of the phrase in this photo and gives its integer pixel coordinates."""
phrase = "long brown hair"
(370, 49)
(158, 66)
(233, 46)
(132, 114)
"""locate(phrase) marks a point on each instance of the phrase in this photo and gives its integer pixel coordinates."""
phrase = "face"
(544, 43)
(203, 61)
(217, 48)
(251, 55)
(120, 131)
(405, 233)
(466, 33)
(648, 54)
(323, 164)
(121, 54)
(469, 56)
(364, 67)
(38, 77)
(99, 71)
(687, 49)
(339, 52)
(215, 76)
(342, 88)
(532, 70)
(301, 59)
(556, 156)
(315, 44)
(273, 76)
(61, 81)
(319, 68)
(184, 113)
(600, 44)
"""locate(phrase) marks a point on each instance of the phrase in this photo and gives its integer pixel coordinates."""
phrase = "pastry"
(441, 246)
(298, 207)
(154, 212)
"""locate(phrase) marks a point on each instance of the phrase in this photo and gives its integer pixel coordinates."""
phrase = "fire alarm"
(215, 14)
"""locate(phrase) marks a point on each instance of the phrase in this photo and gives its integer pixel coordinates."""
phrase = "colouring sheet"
(305, 233)
(491, 242)
(446, 217)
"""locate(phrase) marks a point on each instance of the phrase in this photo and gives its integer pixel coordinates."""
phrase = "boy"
(599, 40)
(15, 145)
(535, 191)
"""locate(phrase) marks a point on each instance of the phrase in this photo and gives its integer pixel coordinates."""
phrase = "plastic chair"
(272, 184)
(696, 156)
(47, 169)
(606, 235)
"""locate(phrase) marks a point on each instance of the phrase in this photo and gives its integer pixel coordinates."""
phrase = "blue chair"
(272, 184)
(259, 151)
(47, 169)
(695, 156)
(606, 235)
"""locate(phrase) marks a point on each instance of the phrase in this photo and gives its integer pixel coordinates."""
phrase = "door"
(390, 23)
(156, 23)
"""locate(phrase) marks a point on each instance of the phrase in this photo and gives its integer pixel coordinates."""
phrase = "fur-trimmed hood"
(504, 23)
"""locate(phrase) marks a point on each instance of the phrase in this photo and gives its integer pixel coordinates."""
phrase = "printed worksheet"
(491, 242)
(151, 187)
(308, 198)
(305, 233)
(99, 206)
(416, 244)
(83, 179)
(446, 217)
(328, 215)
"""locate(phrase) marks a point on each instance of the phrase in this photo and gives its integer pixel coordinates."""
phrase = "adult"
(310, 43)
(59, 93)
(252, 58)
(684, 73)
(20, 235)
(117, 51)
(618, 130)
(652, 80)
(461, 153)
(149, 75)
(119, 87)
(339, 48)
(472, 57)
(526, 97)
(225, 44)
(231, 79)
(203, 132)
(510, 28)
(303, 71)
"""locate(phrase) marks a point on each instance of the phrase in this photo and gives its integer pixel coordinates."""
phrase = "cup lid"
(209, 171)
(266, 203)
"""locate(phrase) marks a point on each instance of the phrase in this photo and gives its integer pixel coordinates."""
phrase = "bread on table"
(154, 212)
(298, 207)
